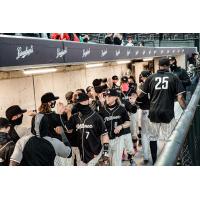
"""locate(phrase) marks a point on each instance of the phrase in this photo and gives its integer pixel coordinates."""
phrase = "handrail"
(173, 146)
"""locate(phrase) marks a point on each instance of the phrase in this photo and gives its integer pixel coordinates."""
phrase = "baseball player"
(143, 113)
(118, 123)
(162, 87)
(185, 80)
(93, 140)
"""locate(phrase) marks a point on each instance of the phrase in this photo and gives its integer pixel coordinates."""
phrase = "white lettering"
(128, 52)
(86, 52)
(117, 52)
(23, 54)
(111, 118)
(104, 52)
(81, 126)
(61, 53)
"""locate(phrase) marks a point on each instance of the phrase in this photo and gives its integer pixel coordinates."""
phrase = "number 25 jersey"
(163, 88)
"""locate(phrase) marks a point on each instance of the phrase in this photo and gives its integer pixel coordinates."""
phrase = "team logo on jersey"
(110, 118)
(25, 53)
(86, 52)
(103, 53)
(61, 53)
(81, 126)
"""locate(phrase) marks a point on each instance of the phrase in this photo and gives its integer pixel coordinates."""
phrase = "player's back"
(162, 87)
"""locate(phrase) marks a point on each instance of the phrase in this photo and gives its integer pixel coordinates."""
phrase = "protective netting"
(190, 153)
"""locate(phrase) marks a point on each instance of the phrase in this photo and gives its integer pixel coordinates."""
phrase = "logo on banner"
(128, 52)
(161, 51)
(143, 52)
(117, 52)
(23, 54)
(167, 51)
(86, 52)
(104, 52)
(183, 50)
(179, 51)
(155, 52)
(61, 52)
(136, 53)
(173, 51)
(149, 52)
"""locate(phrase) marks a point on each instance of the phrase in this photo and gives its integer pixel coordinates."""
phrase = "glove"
(104, 160)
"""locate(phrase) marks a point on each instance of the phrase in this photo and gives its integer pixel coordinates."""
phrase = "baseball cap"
(124, 79)
(172, 58)
(4, 123)
(14, 110)
(164, 62)
(115, 78)
(82, 97)
(96, 82)
(112, 92)
(145, 73)
(47, 97)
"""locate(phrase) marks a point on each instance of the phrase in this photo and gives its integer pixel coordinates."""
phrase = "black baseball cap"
(112, 92)
(115, 78)
(145, 73)
(4, 123)
(124, 79)
(14, 110)
(172, 58)
(96, 82)
(47, 97)
(164, 62)
(82, 97)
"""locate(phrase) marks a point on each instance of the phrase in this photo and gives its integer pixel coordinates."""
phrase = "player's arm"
(181, 101)
(179, 92)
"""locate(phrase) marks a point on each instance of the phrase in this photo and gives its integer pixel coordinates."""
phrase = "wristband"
(105, 149)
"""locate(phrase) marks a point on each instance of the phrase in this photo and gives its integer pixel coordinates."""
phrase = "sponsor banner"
(18, 51)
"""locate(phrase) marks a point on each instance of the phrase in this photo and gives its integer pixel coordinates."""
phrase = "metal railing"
(178, 144)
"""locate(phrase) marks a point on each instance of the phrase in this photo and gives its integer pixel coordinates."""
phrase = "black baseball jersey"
(89, 129)
(114, 117)
(163, 87)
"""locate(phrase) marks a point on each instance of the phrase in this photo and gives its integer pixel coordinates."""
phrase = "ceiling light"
(39, 71)
(147, 59)
(94, 65)
(123, 62)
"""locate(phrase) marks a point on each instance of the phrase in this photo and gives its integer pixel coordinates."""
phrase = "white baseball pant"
(116, 150)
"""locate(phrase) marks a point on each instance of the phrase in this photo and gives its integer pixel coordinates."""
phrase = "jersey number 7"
(162, 83)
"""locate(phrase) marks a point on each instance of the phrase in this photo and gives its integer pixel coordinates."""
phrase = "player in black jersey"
(117, 122)
(91, 132)
(143, 112)
(163, 87)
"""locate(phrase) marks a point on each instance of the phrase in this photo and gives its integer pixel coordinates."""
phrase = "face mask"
(83, 109)
(17, 121)
(125, 87)
(53, 103)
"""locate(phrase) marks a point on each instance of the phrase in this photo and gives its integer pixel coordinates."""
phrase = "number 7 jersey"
(163, 87)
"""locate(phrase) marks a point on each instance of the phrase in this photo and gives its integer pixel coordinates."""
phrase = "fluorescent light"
(147, 59)
(123, 62)
(94, 65)
(39, 71)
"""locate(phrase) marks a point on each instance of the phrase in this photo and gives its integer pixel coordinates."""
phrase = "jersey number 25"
(162, 83)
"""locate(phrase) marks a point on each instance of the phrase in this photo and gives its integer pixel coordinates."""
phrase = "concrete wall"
(21, 90)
